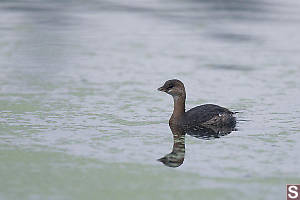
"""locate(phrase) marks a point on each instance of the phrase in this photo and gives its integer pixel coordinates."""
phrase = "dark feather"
(204, 113)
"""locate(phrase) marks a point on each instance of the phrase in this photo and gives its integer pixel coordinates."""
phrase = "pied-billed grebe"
(204, 115)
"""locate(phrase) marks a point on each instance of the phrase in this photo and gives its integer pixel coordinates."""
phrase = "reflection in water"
(176, 157)
(210, 132)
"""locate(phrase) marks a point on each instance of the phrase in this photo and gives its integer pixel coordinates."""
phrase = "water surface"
(80, 117)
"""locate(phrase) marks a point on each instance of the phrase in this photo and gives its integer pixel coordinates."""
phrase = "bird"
(207, 115)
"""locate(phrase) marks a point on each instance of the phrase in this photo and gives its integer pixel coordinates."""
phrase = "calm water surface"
(80, 117)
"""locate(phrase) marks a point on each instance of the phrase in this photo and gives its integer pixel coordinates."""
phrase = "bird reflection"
(176, 157)
(210, 132)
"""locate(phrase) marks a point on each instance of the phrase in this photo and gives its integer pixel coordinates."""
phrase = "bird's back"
(208, 114)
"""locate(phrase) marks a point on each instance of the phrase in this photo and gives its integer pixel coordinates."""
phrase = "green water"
(80, 116)
(56, 175)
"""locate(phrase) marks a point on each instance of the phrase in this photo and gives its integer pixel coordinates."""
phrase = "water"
(80, 117)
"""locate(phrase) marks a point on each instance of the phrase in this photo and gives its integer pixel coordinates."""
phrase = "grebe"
(206, 115)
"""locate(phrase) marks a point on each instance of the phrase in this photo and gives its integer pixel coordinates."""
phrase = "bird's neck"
(179, 106)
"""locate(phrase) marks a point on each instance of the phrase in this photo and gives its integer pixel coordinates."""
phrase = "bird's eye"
(170, 87)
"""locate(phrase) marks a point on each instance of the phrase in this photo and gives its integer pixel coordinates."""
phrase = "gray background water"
(80, 117)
